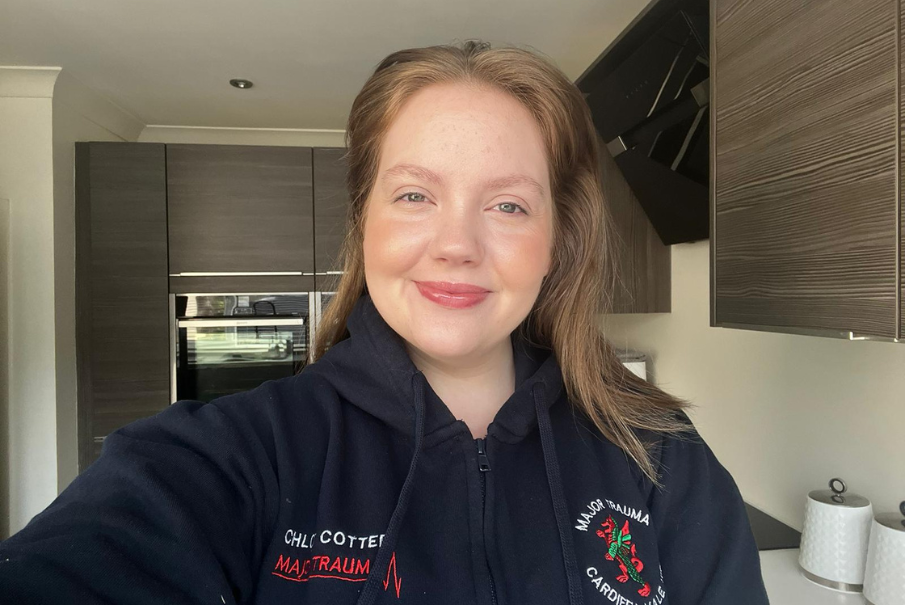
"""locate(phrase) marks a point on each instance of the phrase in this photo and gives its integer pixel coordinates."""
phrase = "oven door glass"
(231, 343)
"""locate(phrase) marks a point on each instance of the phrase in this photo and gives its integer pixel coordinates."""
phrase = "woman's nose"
(458, 235)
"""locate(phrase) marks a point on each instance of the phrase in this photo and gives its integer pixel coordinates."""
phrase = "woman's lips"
(453, 296)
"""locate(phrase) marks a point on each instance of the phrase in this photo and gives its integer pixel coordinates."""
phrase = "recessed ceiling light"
(239, 83)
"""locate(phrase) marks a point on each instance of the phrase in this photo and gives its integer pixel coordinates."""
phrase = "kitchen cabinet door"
(236, 208)
(122, 333)
(331, 204)
(804, 152)
(901, 175)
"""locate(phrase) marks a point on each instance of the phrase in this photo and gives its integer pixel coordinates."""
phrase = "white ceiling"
(168, 62)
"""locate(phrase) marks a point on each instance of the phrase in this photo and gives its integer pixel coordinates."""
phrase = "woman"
(466, 435)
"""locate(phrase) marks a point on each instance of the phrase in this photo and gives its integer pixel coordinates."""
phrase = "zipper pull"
(483, 460)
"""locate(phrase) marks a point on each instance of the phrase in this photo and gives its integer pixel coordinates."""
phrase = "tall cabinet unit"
(805, 192)
(122, 338)
(156, 221)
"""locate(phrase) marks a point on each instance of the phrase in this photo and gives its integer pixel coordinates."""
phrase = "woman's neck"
(474, 389)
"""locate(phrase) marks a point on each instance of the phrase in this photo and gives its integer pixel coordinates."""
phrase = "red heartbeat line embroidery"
(303, 572)
(396, 579)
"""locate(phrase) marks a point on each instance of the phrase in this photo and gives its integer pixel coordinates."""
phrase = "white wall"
(26, 180)
(42, 113)
(783, 413)
(4, 366)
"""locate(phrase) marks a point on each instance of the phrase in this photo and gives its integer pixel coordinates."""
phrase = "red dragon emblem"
(621, 549)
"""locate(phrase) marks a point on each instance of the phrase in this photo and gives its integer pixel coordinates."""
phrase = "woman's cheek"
(393, 245)
(525, 256)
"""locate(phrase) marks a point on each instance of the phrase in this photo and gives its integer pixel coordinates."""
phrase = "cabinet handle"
(212, 323)
(228, 273)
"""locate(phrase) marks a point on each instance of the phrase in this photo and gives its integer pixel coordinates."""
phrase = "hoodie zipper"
(483, 467)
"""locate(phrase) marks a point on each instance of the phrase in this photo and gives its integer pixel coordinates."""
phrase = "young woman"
(466, 434)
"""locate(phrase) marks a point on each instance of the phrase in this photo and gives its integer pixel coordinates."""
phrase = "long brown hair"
(582, 276)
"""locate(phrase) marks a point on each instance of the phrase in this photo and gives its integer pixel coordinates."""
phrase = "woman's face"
(462, 196)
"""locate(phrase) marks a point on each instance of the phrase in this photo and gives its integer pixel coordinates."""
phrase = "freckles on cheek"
(524, 258)
(390, 246)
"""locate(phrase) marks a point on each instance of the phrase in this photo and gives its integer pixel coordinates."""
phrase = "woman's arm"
(175, 510)
(707, 550)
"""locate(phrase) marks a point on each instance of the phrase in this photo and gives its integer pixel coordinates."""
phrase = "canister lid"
(836, 496)
(893, 520)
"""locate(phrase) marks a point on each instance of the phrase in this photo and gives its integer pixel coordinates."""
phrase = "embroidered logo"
(604, 533)
(621, 549)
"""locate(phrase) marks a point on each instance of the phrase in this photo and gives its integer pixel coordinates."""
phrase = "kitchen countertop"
(770, 533)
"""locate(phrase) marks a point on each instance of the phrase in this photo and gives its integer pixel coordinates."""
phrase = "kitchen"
(787, 398)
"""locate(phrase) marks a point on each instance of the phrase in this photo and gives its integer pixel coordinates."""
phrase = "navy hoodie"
(353, 483)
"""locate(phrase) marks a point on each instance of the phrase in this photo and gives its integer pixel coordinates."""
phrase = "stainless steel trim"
(234, 293)
(685, 79)
(851, 336)
(665, 80)
(216, 322)
(701, 93)
(843, 586)
(173, 339)
(822, 332)
(688, 135)
(99, 439)
(234, 273)
(616, 146)
(893, 521)
(312, 323)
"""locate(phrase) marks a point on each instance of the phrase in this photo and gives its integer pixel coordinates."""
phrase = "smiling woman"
(478, 167)
(471, 228)
(465, 434)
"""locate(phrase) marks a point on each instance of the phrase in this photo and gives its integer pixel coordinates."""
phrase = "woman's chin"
(444, 346)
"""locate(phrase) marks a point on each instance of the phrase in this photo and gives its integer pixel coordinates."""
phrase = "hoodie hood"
(384, 379)
(389, 387)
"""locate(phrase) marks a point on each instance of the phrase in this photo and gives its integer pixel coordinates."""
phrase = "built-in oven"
(228, 343)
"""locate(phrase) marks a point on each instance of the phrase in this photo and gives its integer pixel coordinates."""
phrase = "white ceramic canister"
(884, 576)
(835, 538)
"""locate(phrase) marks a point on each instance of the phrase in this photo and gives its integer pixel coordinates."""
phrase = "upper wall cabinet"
(806, 211)
(331, 204)
(234, 208)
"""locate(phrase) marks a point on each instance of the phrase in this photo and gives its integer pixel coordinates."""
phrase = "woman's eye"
(506, 207)
(515, 208)
(414, 193)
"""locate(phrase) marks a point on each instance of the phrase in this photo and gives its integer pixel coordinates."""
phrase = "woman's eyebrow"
(425, 174)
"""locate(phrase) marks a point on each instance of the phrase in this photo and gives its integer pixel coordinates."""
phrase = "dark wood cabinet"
(122, 338)
(805, 208)
(900, 119)
(331, 205)
(643, 262)
(235, 209)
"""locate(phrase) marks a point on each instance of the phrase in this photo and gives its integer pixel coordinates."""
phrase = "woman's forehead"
(484, 133)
